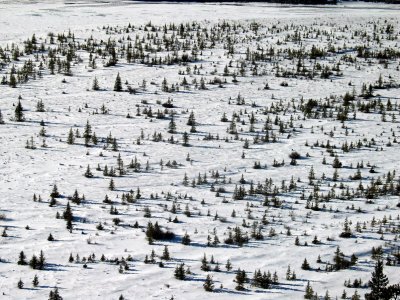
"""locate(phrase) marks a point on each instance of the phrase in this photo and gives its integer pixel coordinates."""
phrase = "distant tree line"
(384, 1)
(308, 2)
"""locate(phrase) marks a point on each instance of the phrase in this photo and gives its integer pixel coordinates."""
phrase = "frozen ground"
(70, 102)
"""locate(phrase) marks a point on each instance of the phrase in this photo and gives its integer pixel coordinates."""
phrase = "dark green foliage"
(13, 81)
(336, 163)
(228, 265)
(261, 280)
(22, 259)
(165, 254)
(118, 84)
(172, 126)
(1, 118)
(294, 155)
(95, 85)
(87, 133)
(54, 295)
(340, 262)
(378, 284)
(68, 216)
(70, 138)
(40, 106)
(20, 284)
(204, 264)
(208, 284)
(309, 293)
(88, 173)
(50, 238)
(156, 233)
(240, 279)
(305, 265)
(111, 185)
(185, 139)
(37, 263)
(346, 230)
(180, 272)
(35, 281)
(54, 192)
(236, 237)
(19, 115)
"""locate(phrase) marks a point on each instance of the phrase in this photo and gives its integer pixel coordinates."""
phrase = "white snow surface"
(24, 172)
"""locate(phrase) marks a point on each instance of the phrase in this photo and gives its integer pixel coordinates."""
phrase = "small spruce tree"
(20, 284)
(208, 284)
(35, 281)
(19, 115)
(118, 84)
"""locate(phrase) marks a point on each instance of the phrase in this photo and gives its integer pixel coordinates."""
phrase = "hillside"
(182, 151)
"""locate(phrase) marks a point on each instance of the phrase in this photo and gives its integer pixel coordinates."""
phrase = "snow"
(24, 172)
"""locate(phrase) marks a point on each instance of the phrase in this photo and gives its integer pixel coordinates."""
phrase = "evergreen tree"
(339, 261)
(54, 295)
(20, 284)
(35, 281)
(67, 215)
(114, 144)
(228, 265)
(336, 163)
(19, 115)
(1, 118)
(70, 138)
(118, 84)
(327, 297)
(185, 138)
(191, 120)
(240, 280)
(88, 173)
(22, 259)
(94, 139)
(309, 293)
(13, 81)
(40, 106)
(355, 296)
(305, 265)
(33, 263)
(50, 238)
(165, 254)
(87, 133)
(69, 225)
(180, 272)
(111, 185)
(54, 192)
(208, 284)
(346, 230)
(41, 261)
(185, 180)
(186, 239)
(378, 283)
(260, 280)
(172, 126)
(95, 85)
(204, 264)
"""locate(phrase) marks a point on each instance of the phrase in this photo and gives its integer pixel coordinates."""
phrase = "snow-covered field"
(222, 57)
